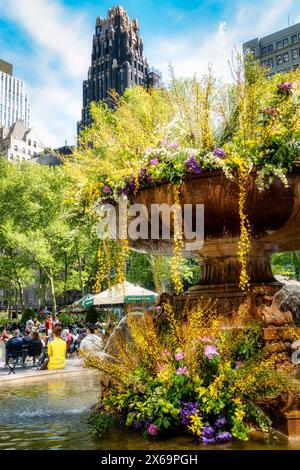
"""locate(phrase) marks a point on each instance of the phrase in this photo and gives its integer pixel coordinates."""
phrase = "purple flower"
(154, 161)
(187, 410)
(219, 152)
(270, 111)
(224, 436)
(179, 356)
(163, 142)
(238, 364)
(206, 440)
(131, 185)
(193, 166)
(220, 422)
(149, 179)
(182, 371)
(152, 429)
(285, 86)
(106, 189)
(210, 351)
(174, 145)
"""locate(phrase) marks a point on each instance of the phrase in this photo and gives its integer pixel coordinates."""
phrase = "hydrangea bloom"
(193, 166)
(224, 436)
(179, 356)
(187, 410)
(219, 152)
(210, 351)
(220, 422)
(182, 371)
(152, 429)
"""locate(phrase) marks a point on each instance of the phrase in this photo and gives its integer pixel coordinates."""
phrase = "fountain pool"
(52, 414)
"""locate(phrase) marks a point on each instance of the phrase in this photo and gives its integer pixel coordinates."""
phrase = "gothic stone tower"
(117, 60)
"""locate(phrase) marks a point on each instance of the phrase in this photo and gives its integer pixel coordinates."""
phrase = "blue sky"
(49, 43)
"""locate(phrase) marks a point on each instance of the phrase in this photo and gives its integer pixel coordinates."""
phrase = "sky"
(49, 43)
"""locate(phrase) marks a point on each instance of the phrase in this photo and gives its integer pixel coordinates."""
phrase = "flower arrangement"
(249, 128)
(188, 377)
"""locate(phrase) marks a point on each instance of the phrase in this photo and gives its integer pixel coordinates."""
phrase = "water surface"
(52, 414)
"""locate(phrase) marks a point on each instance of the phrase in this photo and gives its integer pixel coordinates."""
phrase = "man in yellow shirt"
(57, 350)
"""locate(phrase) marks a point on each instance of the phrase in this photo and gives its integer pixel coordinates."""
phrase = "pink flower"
(285, 86)
(106, 189)
(167, 352)
(152, 429)
(154, 161)
(174, 145)
(179, 356)
(182, 371)
(270, 111)
(238, 364)
(210, 351)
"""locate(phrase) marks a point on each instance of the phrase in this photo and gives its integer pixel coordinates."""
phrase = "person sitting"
(92, 342)
(57, 350)
(35, 346)
(14, 346)
(27, 338)
(5, 336)
(29, 324)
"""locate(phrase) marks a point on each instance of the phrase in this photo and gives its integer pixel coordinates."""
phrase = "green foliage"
(4, 319)
(102, 423)
(192, 375)
(28, 313)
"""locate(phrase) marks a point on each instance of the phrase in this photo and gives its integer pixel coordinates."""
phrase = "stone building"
(19, 142)
(279, 51)
(14, 101)
(117, 61)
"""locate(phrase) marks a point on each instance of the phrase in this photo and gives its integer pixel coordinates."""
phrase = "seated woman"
(35, 347)
(57, 350)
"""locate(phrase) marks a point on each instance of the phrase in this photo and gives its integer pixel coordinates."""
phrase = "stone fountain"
(274, 216)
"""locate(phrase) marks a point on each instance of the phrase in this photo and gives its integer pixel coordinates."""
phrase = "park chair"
(16, 357)
(34, 353)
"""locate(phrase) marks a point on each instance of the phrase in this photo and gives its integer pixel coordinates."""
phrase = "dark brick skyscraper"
(117, 60)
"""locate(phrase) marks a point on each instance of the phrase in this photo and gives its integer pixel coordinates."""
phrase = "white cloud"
(192, 52)
(61, 46)
(61, 42)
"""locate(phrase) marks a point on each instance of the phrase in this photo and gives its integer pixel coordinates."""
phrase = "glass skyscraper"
(14, 101)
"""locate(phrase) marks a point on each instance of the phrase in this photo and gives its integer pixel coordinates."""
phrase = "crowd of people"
(49, 342)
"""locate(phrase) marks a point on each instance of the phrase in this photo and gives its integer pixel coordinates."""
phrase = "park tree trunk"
(52, 291)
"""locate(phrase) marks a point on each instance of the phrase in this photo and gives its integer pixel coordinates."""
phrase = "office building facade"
(117, 61)
(279, 52)
(14, 101)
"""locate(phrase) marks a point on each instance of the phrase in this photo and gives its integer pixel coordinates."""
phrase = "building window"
(270, 47)
(29, 152)
(294, 53)
(34, 144)
(294, 38)
(271, 62)
(285, 42)
(29, 141)
(279, 59)
(23, 150)
(264, 50)
(15, 148)
(278, 44)
(285, 57)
